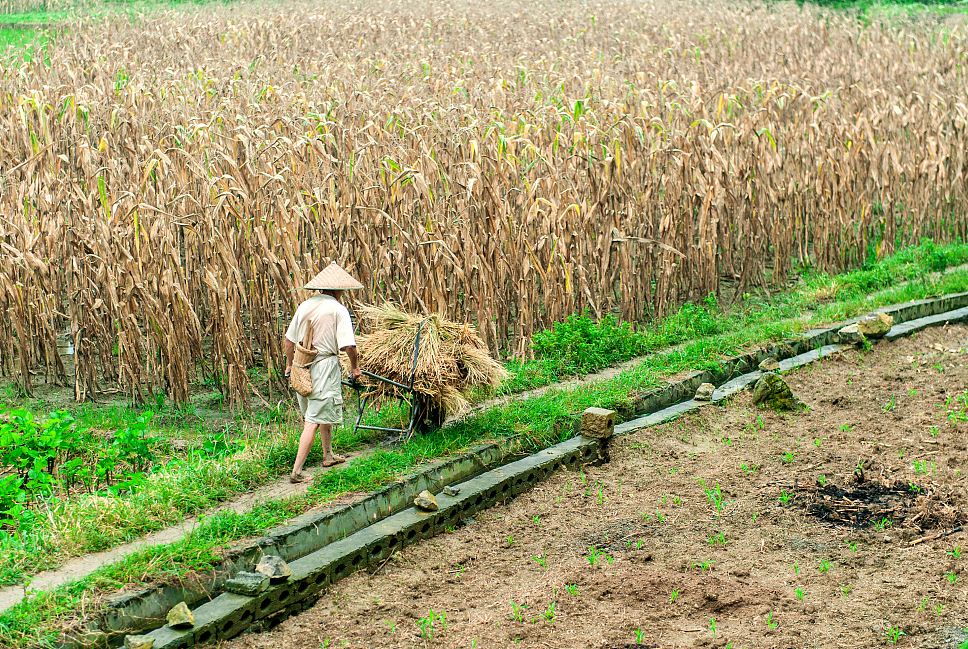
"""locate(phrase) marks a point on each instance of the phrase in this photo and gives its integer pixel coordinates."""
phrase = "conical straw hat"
(333, 278)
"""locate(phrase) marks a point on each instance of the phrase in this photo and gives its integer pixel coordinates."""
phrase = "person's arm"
(355, 371)
(290, 349)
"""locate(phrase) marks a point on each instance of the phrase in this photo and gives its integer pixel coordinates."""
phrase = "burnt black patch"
(881, 505)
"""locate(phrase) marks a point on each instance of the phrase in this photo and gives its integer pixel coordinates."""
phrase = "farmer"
(332, 333)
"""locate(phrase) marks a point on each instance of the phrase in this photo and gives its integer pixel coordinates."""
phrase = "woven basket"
(301, 378)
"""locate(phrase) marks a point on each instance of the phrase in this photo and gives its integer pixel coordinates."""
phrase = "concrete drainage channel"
(323, 548)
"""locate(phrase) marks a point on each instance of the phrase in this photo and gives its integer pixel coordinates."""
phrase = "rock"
(247, 583)
(181, 617)
(426, 501)
(850, 335)
(451, 491)
(772, 391)
(274, 568)
(138, 642)
(769, 365)
(705, 392)
(876, 325)
(597, 423)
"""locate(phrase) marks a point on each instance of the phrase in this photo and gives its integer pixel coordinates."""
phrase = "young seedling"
(705, 565)
(542, 561)
(800, 593)
(822, 480)
(851, 545)
(894, 634)
(572, 589)
(549, 613)
(844, 590)
(392, 625)
(712, 625)
(796, 567)
(770, 622)
(952, 577)
(817, 442)
(639, 636)
(890, 405)
(955, 552)
(939, 609)
(517, 612)
(824, 565)
(715, 497)
(718, 540)
(784, 497)
(788, 456)
(674, 597)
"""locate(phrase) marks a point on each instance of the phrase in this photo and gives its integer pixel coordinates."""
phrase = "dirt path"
(82, 566)
(799, 552)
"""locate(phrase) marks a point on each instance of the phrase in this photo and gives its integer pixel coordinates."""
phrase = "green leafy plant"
(549, 613)
(572, 589)
(894, 634)
(517, 612)
(427, 624)
(674, 597)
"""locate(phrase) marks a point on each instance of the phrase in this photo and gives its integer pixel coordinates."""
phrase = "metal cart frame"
(413, 399)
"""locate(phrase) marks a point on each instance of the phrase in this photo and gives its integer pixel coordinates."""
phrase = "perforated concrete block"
(311, 574)
(221, 617)
(275, 599)
(168, 638)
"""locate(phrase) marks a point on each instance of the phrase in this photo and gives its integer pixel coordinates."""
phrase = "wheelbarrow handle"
(357, 386)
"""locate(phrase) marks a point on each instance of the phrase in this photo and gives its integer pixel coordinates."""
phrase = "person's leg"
(326, 436)
(305, 445)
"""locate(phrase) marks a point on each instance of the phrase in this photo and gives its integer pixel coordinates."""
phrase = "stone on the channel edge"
(180, 617)
(138, 642)
(247, 583)
(769, 365)
(274, 568)
(875, 325)
(426, 501)
(705, 392)
(850, 335)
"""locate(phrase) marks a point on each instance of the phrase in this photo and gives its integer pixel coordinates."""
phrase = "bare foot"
(337, 459)
(296, 478)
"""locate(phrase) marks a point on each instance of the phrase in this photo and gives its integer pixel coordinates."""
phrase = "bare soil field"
(732, 527)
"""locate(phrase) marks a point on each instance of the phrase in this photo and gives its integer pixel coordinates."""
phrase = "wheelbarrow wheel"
(430, 416)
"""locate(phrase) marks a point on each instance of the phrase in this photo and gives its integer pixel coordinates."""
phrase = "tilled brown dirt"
(731, 527)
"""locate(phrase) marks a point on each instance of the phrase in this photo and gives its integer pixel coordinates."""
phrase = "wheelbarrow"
(421, 415)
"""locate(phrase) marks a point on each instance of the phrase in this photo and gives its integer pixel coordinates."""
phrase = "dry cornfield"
(167, 180)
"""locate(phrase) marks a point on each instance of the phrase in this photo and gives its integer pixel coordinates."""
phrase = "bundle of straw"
(452, 357)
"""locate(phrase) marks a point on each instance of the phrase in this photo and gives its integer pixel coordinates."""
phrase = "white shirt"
(332, 327)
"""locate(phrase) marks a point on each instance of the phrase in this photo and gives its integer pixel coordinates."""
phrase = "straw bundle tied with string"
(452, 357)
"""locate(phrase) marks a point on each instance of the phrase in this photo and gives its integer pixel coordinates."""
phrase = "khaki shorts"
(321, 411)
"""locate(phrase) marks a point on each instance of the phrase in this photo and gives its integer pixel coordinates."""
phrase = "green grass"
(534, 422)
